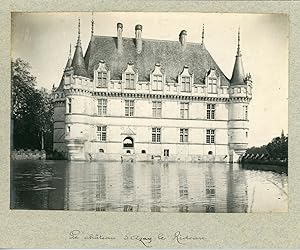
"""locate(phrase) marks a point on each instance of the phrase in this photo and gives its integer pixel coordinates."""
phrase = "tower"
(240, 94)
(60, 110)
(71, 98)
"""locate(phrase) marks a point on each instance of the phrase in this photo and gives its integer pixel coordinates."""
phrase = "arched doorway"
(128, 142)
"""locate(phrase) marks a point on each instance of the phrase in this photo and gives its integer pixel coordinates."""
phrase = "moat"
(146, 187)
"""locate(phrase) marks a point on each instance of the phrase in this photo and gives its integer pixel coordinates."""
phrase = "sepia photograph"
(149, 112)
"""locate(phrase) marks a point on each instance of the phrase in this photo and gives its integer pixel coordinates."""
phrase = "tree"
(32, 110)
(277, 149)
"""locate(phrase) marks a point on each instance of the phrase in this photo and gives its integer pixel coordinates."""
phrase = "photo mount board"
(74, 229)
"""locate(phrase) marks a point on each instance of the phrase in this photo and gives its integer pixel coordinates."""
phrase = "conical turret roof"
(78, 63)
(238, 74)
(68, 65)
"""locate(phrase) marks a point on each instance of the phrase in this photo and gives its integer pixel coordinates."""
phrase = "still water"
(146, 187)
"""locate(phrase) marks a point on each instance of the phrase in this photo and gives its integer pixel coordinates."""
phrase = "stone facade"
(146, 100)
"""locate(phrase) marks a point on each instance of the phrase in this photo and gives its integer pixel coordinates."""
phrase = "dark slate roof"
(78, 63)
(168, 53)
(238, 75)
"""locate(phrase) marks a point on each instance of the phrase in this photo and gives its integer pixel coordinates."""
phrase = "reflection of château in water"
(142, 98)
(158, 188)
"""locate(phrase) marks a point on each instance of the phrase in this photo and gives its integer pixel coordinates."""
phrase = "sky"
(43, 40)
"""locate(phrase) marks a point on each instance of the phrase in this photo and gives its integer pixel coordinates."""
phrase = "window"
(69, 105)
(101, 150)
(184, 110)
(101, 133)
(129, 107)
(129, 81)
(246, 112)
(68, 129)
(143, 151)
(184, 135)
(157, 82)
(156, 109)
(102, 79)
(210, 111)
(210, 136)
(102, 107)
(156, 135)
(212, 85)
(246, 134)
(166, 152)
(186, 83)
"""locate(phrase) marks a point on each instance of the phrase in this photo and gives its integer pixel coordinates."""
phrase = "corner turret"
(240, 94)
(60, 110)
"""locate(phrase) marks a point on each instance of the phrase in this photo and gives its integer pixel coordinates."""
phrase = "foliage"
(32, 110)
(276, 149)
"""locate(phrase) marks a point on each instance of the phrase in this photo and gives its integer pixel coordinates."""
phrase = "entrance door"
(128, 142)
(128, 145)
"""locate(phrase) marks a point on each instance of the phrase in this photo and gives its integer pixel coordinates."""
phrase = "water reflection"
(146, 187)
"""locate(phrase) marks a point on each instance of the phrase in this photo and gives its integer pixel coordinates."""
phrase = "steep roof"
(169, 54)
(78, 63)
(238, 75)
(68, 65)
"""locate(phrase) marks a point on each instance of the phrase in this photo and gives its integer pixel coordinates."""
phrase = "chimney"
(119, 34)
(182, 38)
(138, 38)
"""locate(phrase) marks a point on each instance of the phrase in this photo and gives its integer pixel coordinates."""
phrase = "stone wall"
(28, 154)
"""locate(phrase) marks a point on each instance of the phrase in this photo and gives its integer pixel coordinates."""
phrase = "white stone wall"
(238, 125)
(231, 128)
(170, 108)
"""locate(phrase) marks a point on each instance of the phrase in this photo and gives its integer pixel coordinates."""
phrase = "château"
(141, 99)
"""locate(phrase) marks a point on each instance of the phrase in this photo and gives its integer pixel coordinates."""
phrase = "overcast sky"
(43, 39)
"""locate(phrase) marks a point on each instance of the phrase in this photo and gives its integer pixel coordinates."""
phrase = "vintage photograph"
(149, 112)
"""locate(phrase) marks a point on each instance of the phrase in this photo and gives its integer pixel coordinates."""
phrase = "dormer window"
(102, 79)
(212, 81)
(129, 77)
(129, 82)
(101, 75)
(157, 82)
(186, 84)
(212, 85)
(186, 79)
(157, 77)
